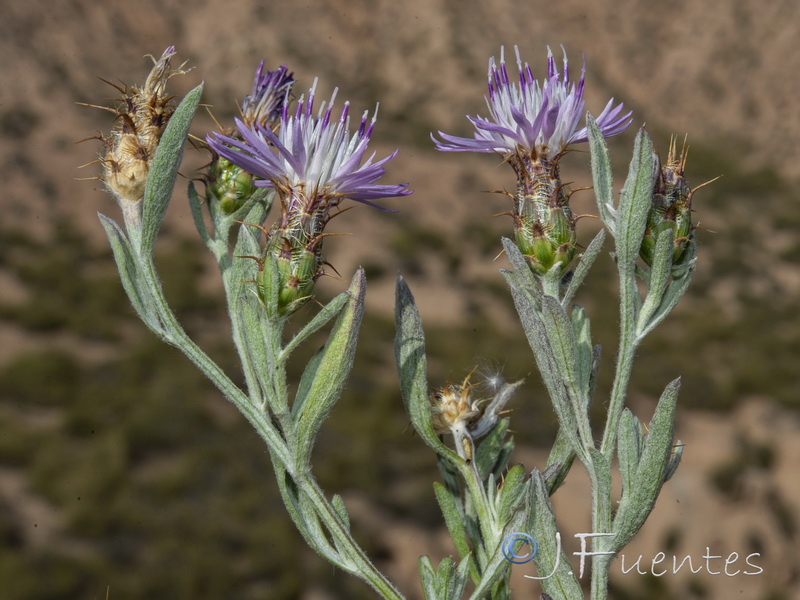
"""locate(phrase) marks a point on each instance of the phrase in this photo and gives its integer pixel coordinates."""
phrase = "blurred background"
(123, 473)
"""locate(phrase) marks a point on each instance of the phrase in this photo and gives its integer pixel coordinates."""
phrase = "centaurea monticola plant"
(311, 161)
(493, 511)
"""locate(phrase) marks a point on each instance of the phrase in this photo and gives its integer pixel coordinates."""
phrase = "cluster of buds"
(312, 162)
(456, 410)
(531, 125)
(671, 209)
(228, 186)
(141, 120)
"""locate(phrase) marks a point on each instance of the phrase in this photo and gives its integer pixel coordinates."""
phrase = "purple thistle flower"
(538, 121)
(270, 93)
(314, 156)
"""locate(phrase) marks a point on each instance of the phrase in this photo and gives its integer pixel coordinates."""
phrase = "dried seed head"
(142, 117)
(453, 408)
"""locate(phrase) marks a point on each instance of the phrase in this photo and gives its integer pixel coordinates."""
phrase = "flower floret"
(316, 153)
(537, 119)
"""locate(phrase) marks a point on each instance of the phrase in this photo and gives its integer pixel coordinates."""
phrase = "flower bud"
(544, 228)
(228, 185)
(295, 244)
(671, 209)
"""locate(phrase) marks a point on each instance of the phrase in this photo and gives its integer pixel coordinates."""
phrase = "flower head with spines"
(313, 162)
(531, 125)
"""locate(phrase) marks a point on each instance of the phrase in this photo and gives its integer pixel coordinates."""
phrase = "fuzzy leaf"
(453, 518)
(674, 460)
(635, 202)
(523, 276)
(545, 360)
(658, 279)
(562, 455)
(510, 496)
(409, 349)
(601, 175)
(629, 448)
(584, 264)
(584, 353)
(490, 450)
(196, 206)
(330, 310)
(638, 501)
(129, 274)
(164, 169)
(329, 371)
(561, 337)
(550, 559)
(341, 510)
(498, 566)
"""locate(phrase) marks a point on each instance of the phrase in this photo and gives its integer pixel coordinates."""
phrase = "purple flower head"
(533, 119)
(312, 155)
(270, 93)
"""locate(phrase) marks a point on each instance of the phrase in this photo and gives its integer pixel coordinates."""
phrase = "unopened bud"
(544, 228)
(229, 185)
(671, 209)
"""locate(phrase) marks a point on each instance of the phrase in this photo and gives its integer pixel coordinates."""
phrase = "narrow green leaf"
(551, 560)
(341, 511)
(328, 312)
(584, 354)
(561, 337)
(563, 455)
(637, 503)
(453, 518)
(164, 169)
(511, 494)
(459, 582)
(658, 279)
(629, 448)
(602, 496)
(409, 349)
(674, 460)
(498, 565)
(584, 264)
(546, 362)
(523, 275)
(427, 575)
(129, 274)
(601, 175)
(197, 214)
(491, 449)
(675, 291)
(635, 201)
(306, 521)
(331, 370)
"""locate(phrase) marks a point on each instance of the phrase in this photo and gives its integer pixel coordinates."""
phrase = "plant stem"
(344, 541)
(627, 350)
(175, 335)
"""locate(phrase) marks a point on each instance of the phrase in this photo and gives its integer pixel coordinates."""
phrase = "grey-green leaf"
(453, 518)
(409, 349)
(635, 202)
(164, 169)
(330, 371)
(129, 274)
(601, 175)
(550, 559)
(584, 264)
(637, 502)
